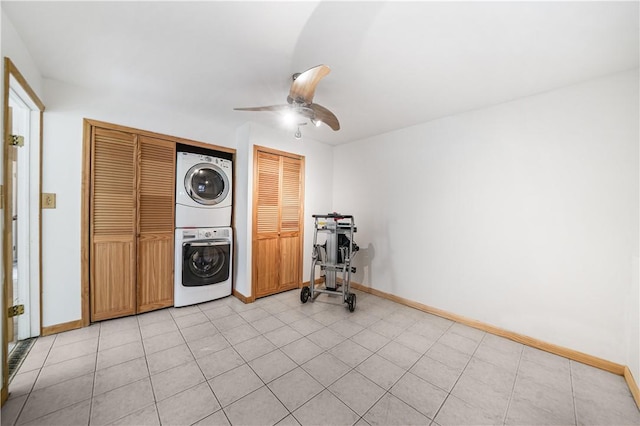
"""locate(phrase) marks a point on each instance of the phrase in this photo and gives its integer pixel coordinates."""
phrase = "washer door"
(205, 262)
(206, 184)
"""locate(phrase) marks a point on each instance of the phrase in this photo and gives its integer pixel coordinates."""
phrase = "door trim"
(10, 70)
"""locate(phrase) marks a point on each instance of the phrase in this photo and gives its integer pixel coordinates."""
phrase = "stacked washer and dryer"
(204, 238)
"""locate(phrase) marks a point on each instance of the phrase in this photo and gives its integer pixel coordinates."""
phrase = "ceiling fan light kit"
(300, 101)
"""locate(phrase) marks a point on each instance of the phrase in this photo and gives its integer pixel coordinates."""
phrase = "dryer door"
(206, 184)
(205, 262)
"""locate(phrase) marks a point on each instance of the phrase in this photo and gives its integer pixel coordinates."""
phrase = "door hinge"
(16, 140)
(15, 311)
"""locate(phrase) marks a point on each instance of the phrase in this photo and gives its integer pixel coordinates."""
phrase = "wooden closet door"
(156, 207)
(277, 226)
(113, 225)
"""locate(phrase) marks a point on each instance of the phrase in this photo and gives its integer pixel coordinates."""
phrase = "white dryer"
(203, 265)
(203, 191)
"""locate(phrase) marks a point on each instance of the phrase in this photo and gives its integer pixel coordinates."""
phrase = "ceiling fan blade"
(304, 86)
(265, 108)
(326, 116)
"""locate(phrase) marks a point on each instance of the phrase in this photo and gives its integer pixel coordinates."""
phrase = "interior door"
(113, 224)
(156, 223)
(277, 222)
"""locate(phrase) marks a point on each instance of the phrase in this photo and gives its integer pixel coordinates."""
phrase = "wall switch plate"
(48, 201)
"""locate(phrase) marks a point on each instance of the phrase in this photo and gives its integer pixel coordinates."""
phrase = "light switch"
(48, 201)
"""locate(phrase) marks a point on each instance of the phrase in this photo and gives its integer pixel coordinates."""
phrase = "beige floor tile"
(399, 354)
(22, 383)
(370, 340)
(118, 403)
(77, 414)
(448, 356)
(228, 322)
(11, 410)
(163, 341)
(72, 350)
(283, 336)
(306, 326)
(458, 342)
(153, 317)
(498, 378)
(272, 365)
(492, 401)
(554, 379)
(267, 324)
(415, 341)
(234, 384)
(176, 380)
(419, 394)
(389, 410)
(53, 398)
(218, 418)
(189, 406)
(350, 353)
(57, 373)
(158, 328)
(302, 350)
(191, 320)
(295, 388)
(326, 338)
(119, 325)
(436, 372)
(112, 340)
(254, 315)
(386, 329)
(456, 412)
(468, 332)
(202, 347)
(199, 331)
(34, 361)
(382, 372)
(507, 360)
(288, 421)
(73, 336)
(169, 358)
(119, 354)
(240, 334)
(255, 347)
(147, 416)
(347, 327)
(218, 311)
(325, 409)
(525, 412)
(257, 408)
(184, 310)
(119, 375)
(219, 362)
(357, 392)
(326, 368)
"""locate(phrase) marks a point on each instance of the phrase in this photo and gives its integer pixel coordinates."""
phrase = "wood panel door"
(156, 207)
(277, 221)
(113, 224)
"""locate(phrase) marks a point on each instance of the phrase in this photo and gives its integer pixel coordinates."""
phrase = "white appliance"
(203, 265)
(203, 191)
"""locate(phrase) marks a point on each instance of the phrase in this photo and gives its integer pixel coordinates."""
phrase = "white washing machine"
(203, 191)
(203, 265)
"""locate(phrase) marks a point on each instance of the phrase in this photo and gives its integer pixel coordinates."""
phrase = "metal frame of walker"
(329, 259)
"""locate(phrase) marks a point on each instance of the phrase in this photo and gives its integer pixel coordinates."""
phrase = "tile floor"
(277, 361)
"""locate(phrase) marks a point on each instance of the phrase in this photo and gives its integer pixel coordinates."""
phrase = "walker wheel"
(351, 301)
(305, 294)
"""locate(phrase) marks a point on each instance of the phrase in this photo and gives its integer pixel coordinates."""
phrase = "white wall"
(317, 191)
(67, 106)
(523, 215)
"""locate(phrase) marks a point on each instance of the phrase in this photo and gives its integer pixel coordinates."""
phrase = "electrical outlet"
(48, 201)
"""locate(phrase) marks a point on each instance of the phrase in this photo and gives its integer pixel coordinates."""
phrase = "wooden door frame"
(10, 70)
(254, 218)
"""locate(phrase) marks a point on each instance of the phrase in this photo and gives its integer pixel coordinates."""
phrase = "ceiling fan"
(300, 100)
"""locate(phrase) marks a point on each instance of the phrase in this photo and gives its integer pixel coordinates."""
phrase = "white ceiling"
(394, 64)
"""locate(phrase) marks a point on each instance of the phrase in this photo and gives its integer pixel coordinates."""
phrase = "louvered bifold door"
(291, 201)
(113, 224)
(266, 259)
(278, 206)
(156, 207)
